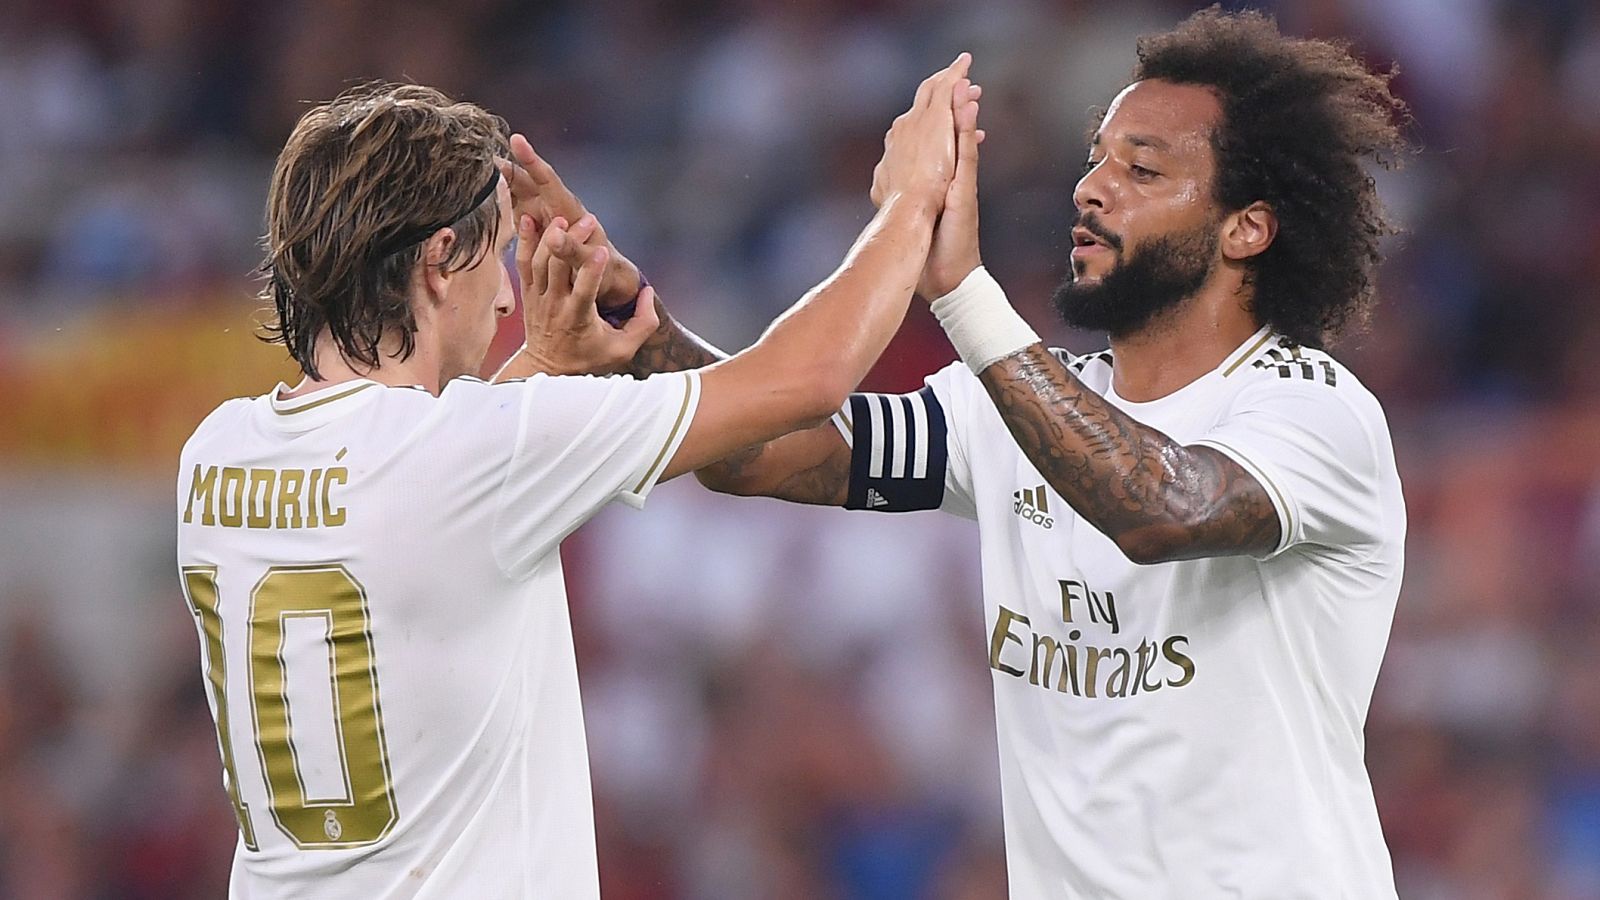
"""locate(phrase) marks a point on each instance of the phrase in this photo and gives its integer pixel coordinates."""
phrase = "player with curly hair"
(1192, 542)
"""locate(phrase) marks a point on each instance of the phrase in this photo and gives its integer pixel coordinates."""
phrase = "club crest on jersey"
(1032, 505)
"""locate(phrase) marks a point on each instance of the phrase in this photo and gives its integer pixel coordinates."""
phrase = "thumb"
(644, 322)
(961, 199)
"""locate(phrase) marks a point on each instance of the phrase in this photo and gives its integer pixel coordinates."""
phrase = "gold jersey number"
(354, 805)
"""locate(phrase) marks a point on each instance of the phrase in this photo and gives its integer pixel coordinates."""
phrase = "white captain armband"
(897, 451)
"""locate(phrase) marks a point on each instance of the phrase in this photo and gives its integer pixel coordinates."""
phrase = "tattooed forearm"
(805, 467)
(672, 348)
(1158, 499)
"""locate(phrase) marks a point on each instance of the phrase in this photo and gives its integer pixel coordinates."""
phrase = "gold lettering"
(1002, 633)
(259, 514)
(1070, 591)
(204, 489)
(331, 516)
(1178, 658)
(1069, 666)
(289, 484)
(1117, 684)
(1050, 647)
(1147, 652)
(1107, 610)
(1091, 667)
(233, 482)
(312, 506)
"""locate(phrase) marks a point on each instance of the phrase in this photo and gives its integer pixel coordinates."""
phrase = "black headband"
(422, 232)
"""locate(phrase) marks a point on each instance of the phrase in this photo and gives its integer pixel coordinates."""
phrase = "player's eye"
(1142, 173)
(1088, 165)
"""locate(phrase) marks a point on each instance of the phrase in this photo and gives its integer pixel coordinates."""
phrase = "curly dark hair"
(1300, 121)
(362, 181)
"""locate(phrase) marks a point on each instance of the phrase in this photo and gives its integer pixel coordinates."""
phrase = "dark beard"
(1153, 279)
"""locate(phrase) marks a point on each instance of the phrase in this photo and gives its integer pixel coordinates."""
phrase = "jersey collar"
(1249, 348)
(295, 407)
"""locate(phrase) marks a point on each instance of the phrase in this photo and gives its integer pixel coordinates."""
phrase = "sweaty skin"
(1157, 498)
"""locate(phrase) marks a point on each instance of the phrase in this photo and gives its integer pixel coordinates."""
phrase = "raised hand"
(919, 150)
(561, 274)
(955, 240)
(537, 191)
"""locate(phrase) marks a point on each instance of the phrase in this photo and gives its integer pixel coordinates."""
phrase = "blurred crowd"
(761, 722)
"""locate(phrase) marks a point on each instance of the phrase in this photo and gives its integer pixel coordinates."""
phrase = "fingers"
(638, 329)
(584, 228)
(966, 116)
(967, 139)
(535, 184)
(562, 253)
(929, 89)
(523, 190)
(941, 80)
(540, 171)
(961, 200)
(536, 272)
(586, 286)
(962, 65)
(965, 93)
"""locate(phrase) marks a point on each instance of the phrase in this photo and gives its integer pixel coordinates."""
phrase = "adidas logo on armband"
(875, 499)
(1032, 505)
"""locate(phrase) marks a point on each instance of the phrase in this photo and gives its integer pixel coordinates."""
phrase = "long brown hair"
(361, 183)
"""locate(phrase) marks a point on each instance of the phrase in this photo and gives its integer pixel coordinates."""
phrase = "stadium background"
(781, 702)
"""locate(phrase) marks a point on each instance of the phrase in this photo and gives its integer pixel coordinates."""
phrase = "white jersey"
(375, 575)
(1189, 729)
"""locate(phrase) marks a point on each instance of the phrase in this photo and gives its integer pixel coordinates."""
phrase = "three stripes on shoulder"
(1290, 361)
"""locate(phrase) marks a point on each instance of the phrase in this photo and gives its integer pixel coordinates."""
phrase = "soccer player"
(1191, 542)
(371, 557)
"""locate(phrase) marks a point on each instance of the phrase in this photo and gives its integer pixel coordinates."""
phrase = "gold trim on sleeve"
(1260, 475)
(688, 391)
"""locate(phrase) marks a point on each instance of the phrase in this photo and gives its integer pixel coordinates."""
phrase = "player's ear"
(433, 271)
(1249, 231)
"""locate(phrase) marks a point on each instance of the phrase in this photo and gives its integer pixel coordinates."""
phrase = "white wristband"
(980, 321)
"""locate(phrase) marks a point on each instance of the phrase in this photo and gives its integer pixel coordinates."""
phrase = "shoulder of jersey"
(1284, 360)
(1081, 364)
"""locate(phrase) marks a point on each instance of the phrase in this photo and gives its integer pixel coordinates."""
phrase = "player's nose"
(505, 302)
(1093, 191)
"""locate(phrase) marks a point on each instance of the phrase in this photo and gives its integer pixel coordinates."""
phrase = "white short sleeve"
(581, 442)
(958, 494)
(1316, 450)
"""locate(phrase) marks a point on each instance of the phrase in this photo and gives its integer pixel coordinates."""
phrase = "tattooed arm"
(1158, 499)
(810, 466)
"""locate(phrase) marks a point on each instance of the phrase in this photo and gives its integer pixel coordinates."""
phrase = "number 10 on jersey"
(331, 703)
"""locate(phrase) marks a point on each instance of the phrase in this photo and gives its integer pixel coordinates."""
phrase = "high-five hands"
(919, 153)
(537, 191)
(955, 241)
(560, 282)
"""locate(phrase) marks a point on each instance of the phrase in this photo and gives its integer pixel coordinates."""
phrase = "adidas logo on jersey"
(1031, 504)
(875, 499)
